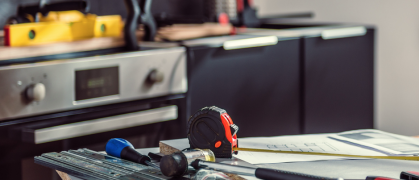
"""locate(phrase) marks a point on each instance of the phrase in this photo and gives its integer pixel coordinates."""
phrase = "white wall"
(397, 51)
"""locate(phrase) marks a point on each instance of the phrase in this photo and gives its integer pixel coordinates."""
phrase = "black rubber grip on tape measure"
(205, 129)
(273, 174)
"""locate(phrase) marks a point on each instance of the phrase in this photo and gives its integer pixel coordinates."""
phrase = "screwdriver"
(123, 149)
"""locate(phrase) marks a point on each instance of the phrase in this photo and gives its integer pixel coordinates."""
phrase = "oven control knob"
(36, 92)
(155, 76)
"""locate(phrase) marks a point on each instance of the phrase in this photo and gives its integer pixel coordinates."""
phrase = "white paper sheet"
(302, 143)
(380, 141)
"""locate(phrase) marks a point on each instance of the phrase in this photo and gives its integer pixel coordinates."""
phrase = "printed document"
(380, 141)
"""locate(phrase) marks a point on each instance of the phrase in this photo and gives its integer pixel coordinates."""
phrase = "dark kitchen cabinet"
(338, 83)
(258, 86)
(336, 74)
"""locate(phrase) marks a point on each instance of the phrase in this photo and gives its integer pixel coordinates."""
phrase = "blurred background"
(303, 82)
(397, 55)
(396, 100)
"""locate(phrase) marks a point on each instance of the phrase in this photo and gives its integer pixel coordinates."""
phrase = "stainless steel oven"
(60, 104)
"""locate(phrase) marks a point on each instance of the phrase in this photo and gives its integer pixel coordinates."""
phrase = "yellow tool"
(62, 26)
(409, 158)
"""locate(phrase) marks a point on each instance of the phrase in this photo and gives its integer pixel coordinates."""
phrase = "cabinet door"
(258, 87)
(338, 83)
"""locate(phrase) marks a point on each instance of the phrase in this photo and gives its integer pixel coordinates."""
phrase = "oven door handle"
(100, 125)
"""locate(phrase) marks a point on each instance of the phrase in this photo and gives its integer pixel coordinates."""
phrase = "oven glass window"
(94, 83)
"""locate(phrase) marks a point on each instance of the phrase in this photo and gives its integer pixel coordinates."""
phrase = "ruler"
(409, 158)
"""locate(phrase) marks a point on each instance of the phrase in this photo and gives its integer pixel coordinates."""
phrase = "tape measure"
(212, 128)
(409, 158)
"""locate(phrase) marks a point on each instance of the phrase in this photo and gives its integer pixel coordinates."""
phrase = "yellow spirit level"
(62, 26)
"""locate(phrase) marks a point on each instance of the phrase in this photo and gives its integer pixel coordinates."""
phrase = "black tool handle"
(138, 14)
(147, 20)
(131, 24)
(154, 156)
(273, 174)
(131, 154)
(409, 175)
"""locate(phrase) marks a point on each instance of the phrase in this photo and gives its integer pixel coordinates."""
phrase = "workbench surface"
(347, 169)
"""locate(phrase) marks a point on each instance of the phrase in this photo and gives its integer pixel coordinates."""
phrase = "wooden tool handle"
(185, 31)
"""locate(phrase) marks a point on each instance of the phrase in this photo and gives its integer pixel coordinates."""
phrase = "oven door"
(143, 122)
(51, 106)
(85, 122)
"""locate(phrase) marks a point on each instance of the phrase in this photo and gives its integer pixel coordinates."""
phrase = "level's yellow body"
(63, 27)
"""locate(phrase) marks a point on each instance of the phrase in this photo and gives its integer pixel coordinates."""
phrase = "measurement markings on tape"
(409, 158)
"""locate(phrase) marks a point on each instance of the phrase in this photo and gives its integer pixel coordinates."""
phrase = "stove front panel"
(46, 87)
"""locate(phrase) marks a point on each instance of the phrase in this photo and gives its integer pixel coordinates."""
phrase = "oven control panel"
(96, 83)
(53, 86)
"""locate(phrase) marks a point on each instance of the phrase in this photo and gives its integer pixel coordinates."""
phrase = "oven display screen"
(94, 83)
